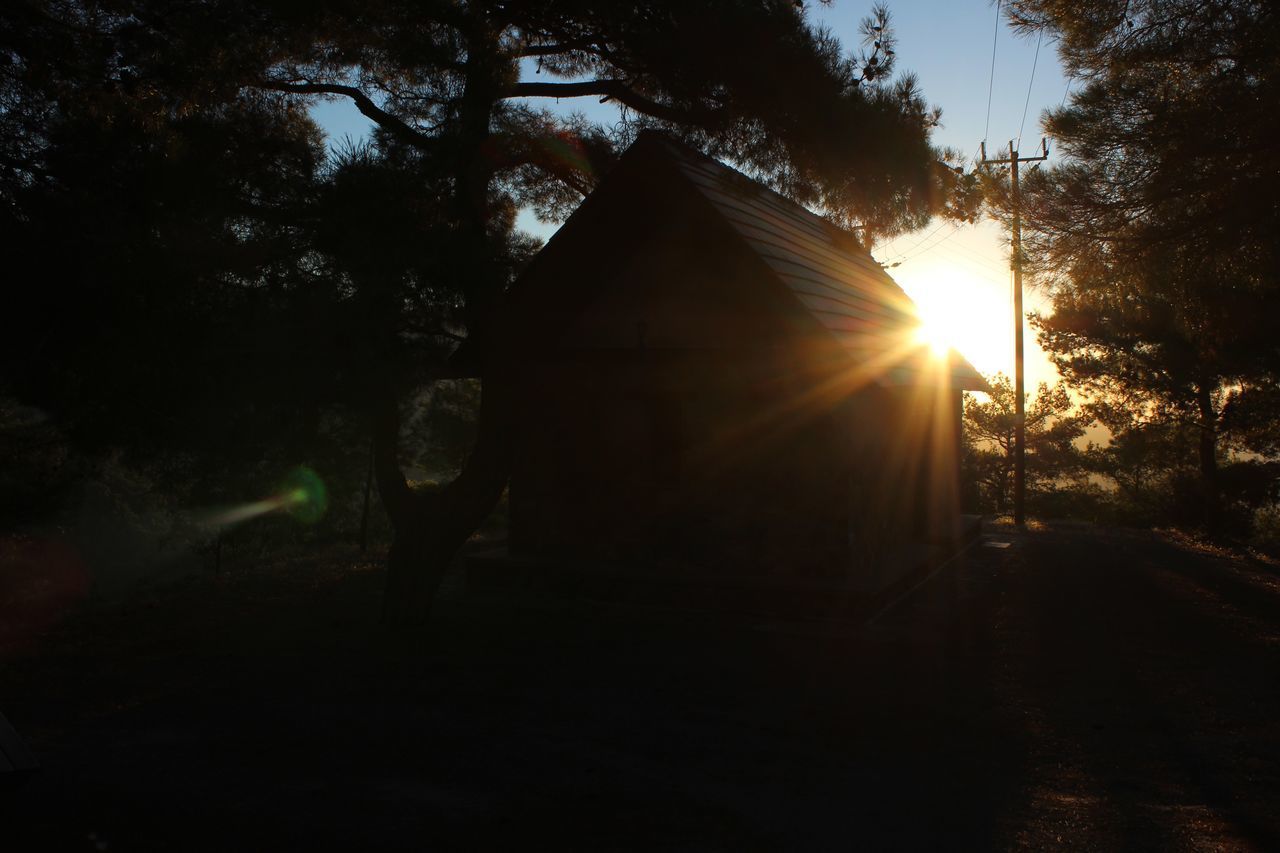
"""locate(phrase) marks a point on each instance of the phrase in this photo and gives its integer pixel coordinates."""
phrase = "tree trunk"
(1208, 436)
(430, 528)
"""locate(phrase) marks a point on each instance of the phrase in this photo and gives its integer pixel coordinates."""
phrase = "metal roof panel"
(828, 271)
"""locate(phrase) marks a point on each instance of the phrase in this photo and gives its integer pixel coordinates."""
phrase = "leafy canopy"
(183, 245)
(1155, 236)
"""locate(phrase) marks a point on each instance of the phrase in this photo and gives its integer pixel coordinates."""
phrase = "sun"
(935, 338)
(961, 312)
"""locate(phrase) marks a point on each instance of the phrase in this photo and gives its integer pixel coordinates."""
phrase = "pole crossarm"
(984, 160)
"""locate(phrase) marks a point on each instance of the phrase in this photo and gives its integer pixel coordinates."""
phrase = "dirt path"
(1148, 679)
(1077, 690)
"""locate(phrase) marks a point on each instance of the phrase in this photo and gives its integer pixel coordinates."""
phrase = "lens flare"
(563, 150)
(301, 494)
(304, 494)
(40, 581)
(568, 150)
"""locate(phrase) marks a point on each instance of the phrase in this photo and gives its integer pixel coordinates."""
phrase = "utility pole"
(1019, 381)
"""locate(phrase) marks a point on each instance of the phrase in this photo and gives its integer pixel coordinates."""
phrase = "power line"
(1027, 103)
(884, 244)
(977, 270)
(957, 252)
(955, 230)
(992, 82)
(976, 255)
(912, 247)
(970, 254)
(964, 254)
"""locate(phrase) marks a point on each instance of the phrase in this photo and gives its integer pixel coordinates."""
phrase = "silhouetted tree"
(1142, 459)
(152, 255)
(1156, 236)
(166, 169)
(453, 89)
(1053, 460)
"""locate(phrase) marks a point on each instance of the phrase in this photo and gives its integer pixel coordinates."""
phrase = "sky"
(958, 275)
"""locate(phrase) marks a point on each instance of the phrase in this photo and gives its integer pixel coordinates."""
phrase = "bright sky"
(958, 276)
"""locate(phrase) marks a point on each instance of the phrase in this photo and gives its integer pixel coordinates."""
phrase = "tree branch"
(363, 103)
(511, 150)
(615, 90)
(551, 49)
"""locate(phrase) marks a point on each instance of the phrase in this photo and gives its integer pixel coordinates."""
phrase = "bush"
(1080, 502)
(1265, 535)
(1196, 505)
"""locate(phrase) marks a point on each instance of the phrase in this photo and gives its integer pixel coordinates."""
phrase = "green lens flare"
(305, 497)
(301, 494)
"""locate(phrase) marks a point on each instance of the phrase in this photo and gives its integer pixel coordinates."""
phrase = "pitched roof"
(824, 267)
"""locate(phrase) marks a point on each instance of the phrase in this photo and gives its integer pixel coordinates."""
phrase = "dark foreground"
(1076, 690)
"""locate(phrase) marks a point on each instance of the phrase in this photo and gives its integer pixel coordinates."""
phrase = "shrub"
(1265, 535)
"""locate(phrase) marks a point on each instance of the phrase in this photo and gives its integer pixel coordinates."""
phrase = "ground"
(1074, 689)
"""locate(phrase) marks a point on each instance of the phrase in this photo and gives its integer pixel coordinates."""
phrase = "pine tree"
(373, 267)
(1052, 428)
(1155, 236)
(464, 83)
